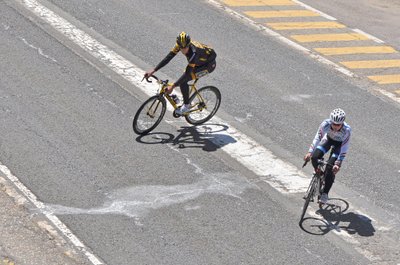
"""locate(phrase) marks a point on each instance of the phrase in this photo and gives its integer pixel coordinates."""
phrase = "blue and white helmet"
(338, 116)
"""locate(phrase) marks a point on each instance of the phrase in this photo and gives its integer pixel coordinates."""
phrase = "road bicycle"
(316, 186)
(203, 102)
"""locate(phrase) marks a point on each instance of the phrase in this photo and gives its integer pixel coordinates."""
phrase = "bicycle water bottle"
(175, 98)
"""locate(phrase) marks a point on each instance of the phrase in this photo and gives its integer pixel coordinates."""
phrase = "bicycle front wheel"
(149, 115)
(204, 104)
(308, 196)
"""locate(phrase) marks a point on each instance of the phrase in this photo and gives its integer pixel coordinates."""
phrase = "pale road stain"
(296, 98)
(243, 120)
(39, 50)
(138, 201)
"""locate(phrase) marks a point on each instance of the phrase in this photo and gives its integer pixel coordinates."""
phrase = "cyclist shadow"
(204, 136)
(334, 218)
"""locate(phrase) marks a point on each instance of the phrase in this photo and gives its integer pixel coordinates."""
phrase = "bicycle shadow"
(334, 218)
(205, 136)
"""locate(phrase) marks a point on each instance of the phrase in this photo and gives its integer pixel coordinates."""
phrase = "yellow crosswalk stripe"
(386, 79)
(281, 13)
(259, 2)
(371, 64)
(355, 50)
(305, 25)
(329, 37)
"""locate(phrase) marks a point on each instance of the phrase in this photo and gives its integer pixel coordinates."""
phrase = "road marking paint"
(356, 50)
(315, 10)
(269, 32)
(54, 219)
(386, 79)
(371, 64)
(305, 25)
(259, 3)
(281, 38)
(369, 36)
(7, 261)
(390, 95)
(281, 13)
(329, 37)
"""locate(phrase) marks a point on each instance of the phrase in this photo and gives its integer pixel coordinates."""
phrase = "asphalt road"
(66, 134)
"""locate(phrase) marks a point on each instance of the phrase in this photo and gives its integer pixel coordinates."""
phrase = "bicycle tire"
(309, 194)
(212, 101)
(321, 186)
(143, 123)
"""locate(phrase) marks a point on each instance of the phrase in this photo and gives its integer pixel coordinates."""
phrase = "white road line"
(369, 36)
(390, 95)
(54, 219)
(315, 10)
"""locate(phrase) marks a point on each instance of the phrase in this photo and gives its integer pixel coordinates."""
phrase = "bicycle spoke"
(149, 115)
(204, 104)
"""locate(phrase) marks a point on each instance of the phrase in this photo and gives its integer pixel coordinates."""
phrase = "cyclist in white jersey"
(335, 133)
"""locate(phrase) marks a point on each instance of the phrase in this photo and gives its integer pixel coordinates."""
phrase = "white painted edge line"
(389, 94)
(315, 10)
(369, 36)
(61, 226)
(282, 38)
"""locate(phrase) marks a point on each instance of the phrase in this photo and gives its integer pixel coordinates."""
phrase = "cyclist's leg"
(199, 71)
(319, 152)
(185, 91)
(329, 176)
(203, 70)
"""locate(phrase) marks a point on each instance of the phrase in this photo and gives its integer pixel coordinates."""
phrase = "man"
(335, 133)
(201, 61)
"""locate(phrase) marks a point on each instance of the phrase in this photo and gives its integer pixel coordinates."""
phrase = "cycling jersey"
(326, 133)
(198, 55)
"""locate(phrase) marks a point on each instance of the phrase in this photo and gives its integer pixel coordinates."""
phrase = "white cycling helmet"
(338, 116)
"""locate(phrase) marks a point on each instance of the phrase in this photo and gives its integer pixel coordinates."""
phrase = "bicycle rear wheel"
(308, 196)
(204, 104)
(149, 115)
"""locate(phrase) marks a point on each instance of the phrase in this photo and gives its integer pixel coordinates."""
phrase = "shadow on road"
(207, 137)
(334, 217)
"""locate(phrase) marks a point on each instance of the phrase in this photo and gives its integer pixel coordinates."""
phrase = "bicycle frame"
(151, 112)
(193, 90)
(315, 187)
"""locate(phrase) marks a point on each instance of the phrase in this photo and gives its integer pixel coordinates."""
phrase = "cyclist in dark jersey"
(201, 61)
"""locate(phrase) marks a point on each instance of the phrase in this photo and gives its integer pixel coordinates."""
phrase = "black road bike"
(316, 186)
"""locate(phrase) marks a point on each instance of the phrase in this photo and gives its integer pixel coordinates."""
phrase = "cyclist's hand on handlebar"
(307, 157)
(149, 73)
(335, 169)
(169, 89)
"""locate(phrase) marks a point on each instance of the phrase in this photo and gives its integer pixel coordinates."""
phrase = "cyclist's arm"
(322, 130)
(344, 148)
(167, 58)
